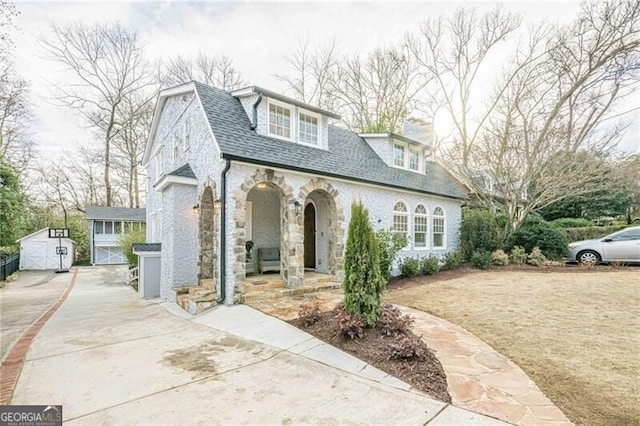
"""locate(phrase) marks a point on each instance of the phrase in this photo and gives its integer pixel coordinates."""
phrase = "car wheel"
(588, 257)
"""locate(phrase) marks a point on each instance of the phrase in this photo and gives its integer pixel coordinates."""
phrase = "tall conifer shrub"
(363, 281)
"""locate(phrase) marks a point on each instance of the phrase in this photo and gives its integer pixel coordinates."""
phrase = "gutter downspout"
(254, 124)
(223, 233)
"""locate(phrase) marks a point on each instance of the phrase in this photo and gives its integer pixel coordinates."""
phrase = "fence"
(9, 265)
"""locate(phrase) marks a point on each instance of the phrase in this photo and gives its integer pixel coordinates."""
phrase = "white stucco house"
(253, 165)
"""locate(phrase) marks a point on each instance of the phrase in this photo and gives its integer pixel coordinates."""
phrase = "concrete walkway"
(110, 358)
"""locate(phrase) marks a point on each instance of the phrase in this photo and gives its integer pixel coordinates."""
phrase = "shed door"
(34, 255)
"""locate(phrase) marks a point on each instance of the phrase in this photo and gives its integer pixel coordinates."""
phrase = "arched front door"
(310, 236)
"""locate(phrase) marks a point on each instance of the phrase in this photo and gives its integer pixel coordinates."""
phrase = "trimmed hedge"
(591, 232)
(478, 232)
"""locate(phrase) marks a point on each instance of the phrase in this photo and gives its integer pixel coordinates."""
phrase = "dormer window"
(279, 121)
(308, 129)
(398, 155)
(414, 160)
(407, 156)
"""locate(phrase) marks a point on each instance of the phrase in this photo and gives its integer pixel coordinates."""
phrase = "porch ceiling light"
(261, 185)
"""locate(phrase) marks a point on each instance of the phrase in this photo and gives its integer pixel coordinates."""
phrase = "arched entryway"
(310, 236)
(326, 237)
(290, 230)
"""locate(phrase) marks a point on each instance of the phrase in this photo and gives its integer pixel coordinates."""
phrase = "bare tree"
(135, 117)
(216, 71)
(16, 145)
(311, 72)
(451, 53)
(538, 138)
(109, 67)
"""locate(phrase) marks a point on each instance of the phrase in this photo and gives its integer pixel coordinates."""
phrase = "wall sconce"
(298, 207)
(195, 210)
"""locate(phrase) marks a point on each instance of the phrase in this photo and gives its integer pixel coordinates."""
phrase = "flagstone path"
(479, 378)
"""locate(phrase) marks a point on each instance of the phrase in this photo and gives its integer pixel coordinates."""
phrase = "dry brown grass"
(577, 335)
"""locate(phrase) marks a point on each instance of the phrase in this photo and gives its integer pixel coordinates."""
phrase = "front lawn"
(575, 333)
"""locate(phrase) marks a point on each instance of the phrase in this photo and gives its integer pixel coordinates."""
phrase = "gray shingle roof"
(115, 213)
(183, 171)
(348, 157)
(146, 246)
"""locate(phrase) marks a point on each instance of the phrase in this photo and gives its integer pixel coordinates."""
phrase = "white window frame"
(159, 160)
(404, 155)
(318, 127)
(407, 148)
(175, 147)
(404, 214)
(434, 216)
(419, 165)
(292, 120)
(186, 136)
(426, 232)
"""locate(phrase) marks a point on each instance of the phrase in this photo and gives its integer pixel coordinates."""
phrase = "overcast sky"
(256, 36)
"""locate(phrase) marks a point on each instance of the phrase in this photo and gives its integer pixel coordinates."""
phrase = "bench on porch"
(268, 259)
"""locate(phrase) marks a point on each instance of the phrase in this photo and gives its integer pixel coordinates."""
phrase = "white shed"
(38, 251)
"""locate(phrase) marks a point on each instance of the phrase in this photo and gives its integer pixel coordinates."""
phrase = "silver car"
(621, 246)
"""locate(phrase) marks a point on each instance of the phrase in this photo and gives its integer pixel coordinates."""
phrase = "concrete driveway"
(110, 358)
(23, 301)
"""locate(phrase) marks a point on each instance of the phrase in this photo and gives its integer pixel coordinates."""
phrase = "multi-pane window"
(279, 121)
(414, 160)
(420, 226)
(187, 133)
(400, 220)
(176, 144)
(398, 155)
(438, 228)
(159, 165)
(108, 227)
(308, 129)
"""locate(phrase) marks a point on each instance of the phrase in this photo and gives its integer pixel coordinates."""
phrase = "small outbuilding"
(106, 226)
(39, 251)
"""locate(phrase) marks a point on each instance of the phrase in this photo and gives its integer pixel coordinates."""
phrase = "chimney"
(420, 130)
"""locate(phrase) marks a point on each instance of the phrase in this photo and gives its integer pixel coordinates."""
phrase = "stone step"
(260, 286)
(197, 290)
(207, 283)
(201, 303)
(269, 294)
(182, 289)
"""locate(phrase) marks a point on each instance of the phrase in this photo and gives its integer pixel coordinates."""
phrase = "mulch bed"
(424, 374)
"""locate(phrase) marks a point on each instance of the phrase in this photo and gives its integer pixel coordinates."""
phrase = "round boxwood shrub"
(481, 259)
(410, 267)
(551, 241)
